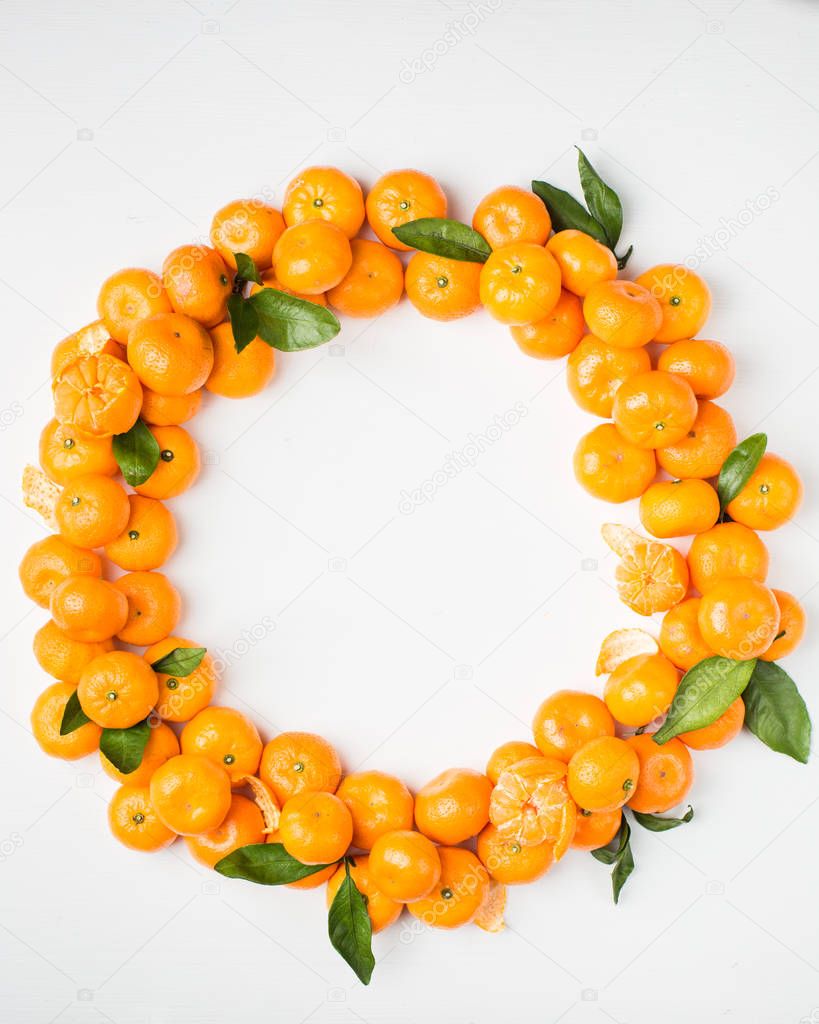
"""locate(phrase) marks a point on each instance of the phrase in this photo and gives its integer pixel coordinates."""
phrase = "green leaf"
(442, 237)
(622, 869)
(602, 201)
(290, 324)
(738, 467)
(350, 928)
(246, 268)
(181, 661)
(705, 692)
(124, 747)
(567, 212)
(137, 453)
(656, 823)
(775, 711)
(73, 715)
(244, 321)
(618, 852)
(265, 864)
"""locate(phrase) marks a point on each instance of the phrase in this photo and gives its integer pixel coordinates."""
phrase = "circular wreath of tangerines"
(283, 812)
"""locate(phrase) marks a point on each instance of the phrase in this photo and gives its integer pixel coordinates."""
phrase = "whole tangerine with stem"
(373, 284)
(328, 194)
(154, 607)
(316, 828)
(506, 755)
(520, 283)
(726, 551)
(178, 466)
(404, 865)
(133, 820)
(97, 395)
(510, 862)
(792, 623)
(680, 638)
(88, 609)
(171, 353)
(654, 409)
(454, 806)
(239, 374)
(148, 539)
(512, 214)
(603, 774)
(595, 371)
(46, 719)
(596, 828)
(312, 257)
(441, 288)
(708, 443)
(666, 774)
(243, 825)
(739, 618)
(684, 298)
(198, 283)
(169, 410)
(299, 762)
(191, 794)
(118, 689)
(459, 893)
(641, 689)
(66, 453)
(227, 737)
(679, 508)
(381, 909)
(719, 732)
(557, 334)
(182, 697)
(92, 511)
(248, 226)
(567, 720)
(64, 658)
(708, 366)
(378, 802)
(771, 496)
(162, 744)
(530, 803)
(127, 297)
(622, 313)
(583, 261)
(611, 468)
(399, 197)
(49, 561)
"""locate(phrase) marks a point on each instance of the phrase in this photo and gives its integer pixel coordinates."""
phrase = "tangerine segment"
(118, 689)
(718, 733)
(508, 861)
(399, 197)
(378, 802)
(595, 371)
(133, 820)
(602, 774)
(520, 283)
(243, 825)
(739, 618)
(620, 645)
(454, 806)
(792, 621)
(512, 214)
(610, 468)
(191, 794)
(299, 762)
(666, 774)
(49, 561)
(404, 865)
(531, 804)
(459, 893)
(98, 395)
(772, 495)
(316, 828)
(651, 577)
(654, 409)
(567, 720)
(46, 718)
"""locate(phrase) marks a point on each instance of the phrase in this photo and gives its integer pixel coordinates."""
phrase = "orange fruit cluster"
(203, 772)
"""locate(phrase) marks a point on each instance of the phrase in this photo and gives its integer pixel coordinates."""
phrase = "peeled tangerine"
(530, 803)
(651, 577)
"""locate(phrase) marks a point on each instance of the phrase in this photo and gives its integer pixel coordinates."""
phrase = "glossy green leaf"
(705, 692)
(603, 202)
(656, 823)
(290, 324)
(350, 928)
(567, 212)
(244, 321)
(180, 662)
(442, 237)
(246, 268)
(137, 453)
(124, 747)
(776, 713)
(617, 853)
(738, 467)
(265, 864)
(73, 715)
